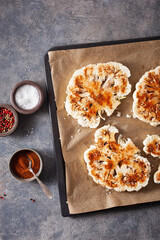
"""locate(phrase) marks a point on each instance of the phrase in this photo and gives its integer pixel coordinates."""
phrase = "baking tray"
(52, 111)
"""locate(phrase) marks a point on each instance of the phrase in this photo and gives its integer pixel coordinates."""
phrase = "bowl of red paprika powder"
(8, 120)
(19, 163)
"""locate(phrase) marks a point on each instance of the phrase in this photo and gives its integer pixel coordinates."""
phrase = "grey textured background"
(27, 30)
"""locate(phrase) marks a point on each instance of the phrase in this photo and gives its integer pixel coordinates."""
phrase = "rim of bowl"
(21, 110)
(15, 117)
(28, 179)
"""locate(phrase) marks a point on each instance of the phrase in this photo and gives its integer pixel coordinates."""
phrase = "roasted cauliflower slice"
(95, 89)
(116, 165)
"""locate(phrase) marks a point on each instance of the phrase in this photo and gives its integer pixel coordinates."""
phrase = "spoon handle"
(44, 188)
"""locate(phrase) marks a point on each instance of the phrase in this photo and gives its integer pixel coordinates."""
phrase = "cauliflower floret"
(152, 145)
(157, 176)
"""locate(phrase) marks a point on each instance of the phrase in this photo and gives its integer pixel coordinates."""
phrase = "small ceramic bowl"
(20, 109)
(7, 106)
(14, 157)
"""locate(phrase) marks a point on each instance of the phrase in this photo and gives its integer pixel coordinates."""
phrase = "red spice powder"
(20, 163)
(6, 120)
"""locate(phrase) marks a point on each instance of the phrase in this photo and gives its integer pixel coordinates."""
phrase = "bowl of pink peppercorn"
(8, 119)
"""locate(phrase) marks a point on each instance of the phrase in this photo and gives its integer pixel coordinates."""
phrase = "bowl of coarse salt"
(27, 97)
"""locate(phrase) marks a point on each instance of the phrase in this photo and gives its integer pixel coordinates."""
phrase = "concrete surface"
(27, 30)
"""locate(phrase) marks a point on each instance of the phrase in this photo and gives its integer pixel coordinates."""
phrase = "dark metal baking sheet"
(52, 111)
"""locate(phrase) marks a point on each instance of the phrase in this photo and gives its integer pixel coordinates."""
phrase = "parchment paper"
(83, 194)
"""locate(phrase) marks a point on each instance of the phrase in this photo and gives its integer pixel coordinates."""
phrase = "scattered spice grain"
(33, 200)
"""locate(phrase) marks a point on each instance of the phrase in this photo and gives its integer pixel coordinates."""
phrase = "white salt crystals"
(27, 97)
